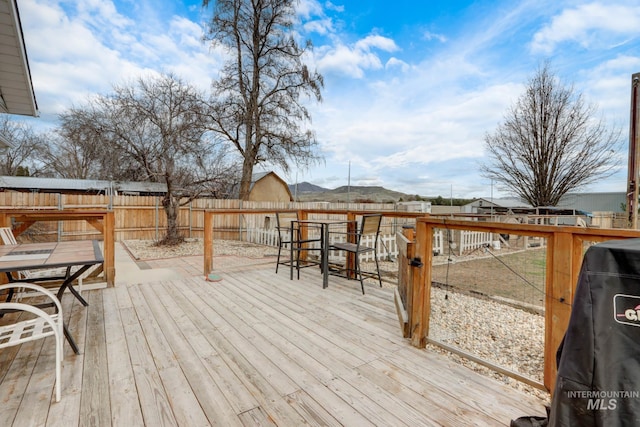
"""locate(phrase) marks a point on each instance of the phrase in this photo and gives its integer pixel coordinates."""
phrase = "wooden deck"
(253, 349)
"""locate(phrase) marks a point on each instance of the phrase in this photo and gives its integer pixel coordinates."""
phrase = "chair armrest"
(20, 306)
(31, 329)
(37, 289)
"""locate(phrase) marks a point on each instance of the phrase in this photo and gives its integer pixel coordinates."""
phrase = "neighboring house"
(269, 187)
(585, 202)
(80, 186)
(496, 206)
(595, 202)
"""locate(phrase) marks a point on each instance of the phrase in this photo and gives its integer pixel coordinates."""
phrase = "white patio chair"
(41, 326)
(7, 236)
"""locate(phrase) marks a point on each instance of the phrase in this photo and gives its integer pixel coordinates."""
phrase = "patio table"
(325, 225)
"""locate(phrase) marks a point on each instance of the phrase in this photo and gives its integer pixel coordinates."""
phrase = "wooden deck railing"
(565, 248)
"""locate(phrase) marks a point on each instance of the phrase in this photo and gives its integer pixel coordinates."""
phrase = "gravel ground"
(507, 336)
(147, 249)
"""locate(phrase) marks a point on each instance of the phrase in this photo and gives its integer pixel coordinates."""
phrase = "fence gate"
(404, 291)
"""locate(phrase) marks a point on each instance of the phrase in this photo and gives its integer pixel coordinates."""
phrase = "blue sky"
(411, 87)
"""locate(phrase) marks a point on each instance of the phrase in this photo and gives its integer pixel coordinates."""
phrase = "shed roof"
(88, 185)
(501, 202)
(16, 88)
(257, 176)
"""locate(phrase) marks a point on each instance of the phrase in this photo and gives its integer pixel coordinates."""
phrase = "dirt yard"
(517, 276)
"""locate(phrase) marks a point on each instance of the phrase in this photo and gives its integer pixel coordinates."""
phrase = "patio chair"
(369, 226)
(290, 236)
(29, 328)
(7, 237)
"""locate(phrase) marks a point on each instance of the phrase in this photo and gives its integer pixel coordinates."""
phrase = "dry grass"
(518, 276)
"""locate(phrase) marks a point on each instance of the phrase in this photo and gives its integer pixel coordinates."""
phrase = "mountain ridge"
(307, 192)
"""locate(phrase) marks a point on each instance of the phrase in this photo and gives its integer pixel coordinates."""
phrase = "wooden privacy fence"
(142, 217)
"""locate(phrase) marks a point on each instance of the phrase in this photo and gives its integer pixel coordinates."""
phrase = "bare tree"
(154, 130)
(258, 99)
(21, 158)
(68, 156)
(550, 143)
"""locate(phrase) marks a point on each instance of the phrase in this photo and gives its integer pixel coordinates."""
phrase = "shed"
(415, 206)
(269, 187)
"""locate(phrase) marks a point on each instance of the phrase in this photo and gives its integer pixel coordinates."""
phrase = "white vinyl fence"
(471, 240)
(387, 247)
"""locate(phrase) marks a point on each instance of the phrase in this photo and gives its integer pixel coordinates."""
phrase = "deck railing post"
(304, 232)
(208, 242)
(560, 282)
(421, 292)
(109, 236)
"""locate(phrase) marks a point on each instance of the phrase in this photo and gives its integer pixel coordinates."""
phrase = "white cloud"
(428, 35)
(99, 12)
(331, 6)
(399, 139)
(320, 26)
(308, 8)
(355, 60)
(588, 24)
(348, 61)
(376, 42)
(397, 63)
(71, 56)
(609, 86)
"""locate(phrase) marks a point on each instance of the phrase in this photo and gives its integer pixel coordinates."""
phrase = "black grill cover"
(598, 381)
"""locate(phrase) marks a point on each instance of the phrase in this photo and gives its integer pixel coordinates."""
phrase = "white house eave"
(16, 88)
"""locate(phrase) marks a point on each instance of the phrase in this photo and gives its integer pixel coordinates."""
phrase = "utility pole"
(349, 186)
(634, 153)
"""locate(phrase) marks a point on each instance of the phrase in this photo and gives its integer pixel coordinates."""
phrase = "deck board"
(122, 386)
(253, 349)
(95, 404)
